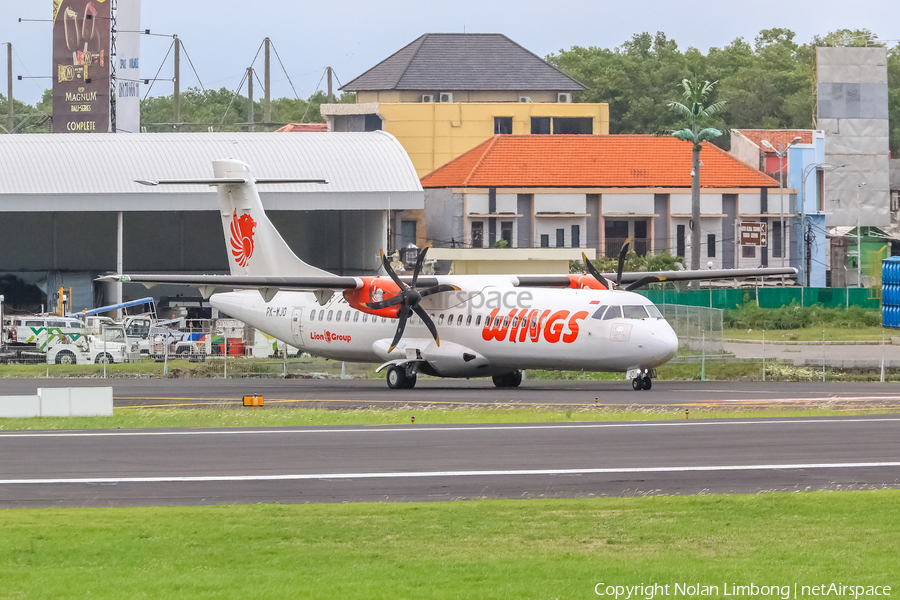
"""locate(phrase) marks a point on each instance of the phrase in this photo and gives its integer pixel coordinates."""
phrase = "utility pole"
(267, 106)
(250, 95)
(9, 95)
(330, 94)
(176, 95)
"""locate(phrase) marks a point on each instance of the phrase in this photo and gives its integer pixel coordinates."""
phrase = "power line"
(158, 70)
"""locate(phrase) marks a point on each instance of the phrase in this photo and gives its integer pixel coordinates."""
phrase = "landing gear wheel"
(637, 384)
(646, 382)
(399, 379)
(512, 380)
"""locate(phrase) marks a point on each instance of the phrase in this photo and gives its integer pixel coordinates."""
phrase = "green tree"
(695, 112)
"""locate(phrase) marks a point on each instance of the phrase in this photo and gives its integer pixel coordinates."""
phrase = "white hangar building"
(71, 210)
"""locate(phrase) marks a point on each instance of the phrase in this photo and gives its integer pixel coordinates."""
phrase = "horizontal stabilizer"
(222, 181)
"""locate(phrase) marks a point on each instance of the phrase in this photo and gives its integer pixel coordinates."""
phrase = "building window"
(711, 245)
(679, 241)
(373, 123)
(573, 126)
(540, 125)
(576, 236)
(545, 240)
(776, 239)
(560, 238)
(748, 251)
(502, 125)
(407, 233)
(506, 233)
(478, 234)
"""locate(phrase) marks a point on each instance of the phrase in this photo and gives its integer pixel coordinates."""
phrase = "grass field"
(814, 334)
(136, 418)
(479, 549)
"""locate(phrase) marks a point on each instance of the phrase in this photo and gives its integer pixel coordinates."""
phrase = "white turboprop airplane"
(448, 326)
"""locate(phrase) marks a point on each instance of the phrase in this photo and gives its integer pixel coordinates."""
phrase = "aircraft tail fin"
(254, 246)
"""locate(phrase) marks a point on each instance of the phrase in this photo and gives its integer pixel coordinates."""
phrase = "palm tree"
(695, 113)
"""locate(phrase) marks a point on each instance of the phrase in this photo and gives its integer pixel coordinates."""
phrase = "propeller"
(617, 285)
(409, 298)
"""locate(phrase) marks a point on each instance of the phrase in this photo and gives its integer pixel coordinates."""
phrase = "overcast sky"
(222, 36)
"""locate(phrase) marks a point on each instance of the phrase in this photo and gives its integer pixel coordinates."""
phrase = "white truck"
(110, 346)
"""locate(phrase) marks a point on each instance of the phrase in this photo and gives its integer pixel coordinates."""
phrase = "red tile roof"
(776, 136)
(292, 127)
(634, 161)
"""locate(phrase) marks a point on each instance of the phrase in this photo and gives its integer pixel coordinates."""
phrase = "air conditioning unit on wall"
(524, 99)
(427, 98)
(564, 97)
(446, 96)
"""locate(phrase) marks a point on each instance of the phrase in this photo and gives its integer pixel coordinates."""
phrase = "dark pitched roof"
(463, 61)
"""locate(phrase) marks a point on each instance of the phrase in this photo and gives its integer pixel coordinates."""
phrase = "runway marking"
(415, 428)
(423, 474)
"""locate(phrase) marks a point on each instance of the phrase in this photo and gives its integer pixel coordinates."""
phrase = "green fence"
(767, 297)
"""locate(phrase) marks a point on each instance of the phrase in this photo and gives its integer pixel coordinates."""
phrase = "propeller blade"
(437, 289)
(622, 254)
(644, 281)
(428, 322)
(390, 271)
(403, 314)
(392, 301)
(420, 260)
(595, 273)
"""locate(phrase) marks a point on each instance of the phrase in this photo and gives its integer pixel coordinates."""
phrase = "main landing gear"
(401, 378)
(510, 380)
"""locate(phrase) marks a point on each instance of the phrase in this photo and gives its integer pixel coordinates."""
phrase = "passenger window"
(338, 317)
(384, 319)
(505, 321)
(478, 321)
(365, 317)
(322, 315)
(599, 314)
(347, 316)
(497, 322)
(459, 320)
(654, 312)
(355, 316)
(450, 320)
(534, 321)
(468, 320)
(441, 319)
(634, 312)
(329, 314)
(515, 322)
(614, 312)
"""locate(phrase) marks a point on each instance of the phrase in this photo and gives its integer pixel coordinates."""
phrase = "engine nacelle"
(585, 281)
(374, 289)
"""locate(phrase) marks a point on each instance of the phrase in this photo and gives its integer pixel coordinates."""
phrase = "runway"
(433, 463)
(349, 394)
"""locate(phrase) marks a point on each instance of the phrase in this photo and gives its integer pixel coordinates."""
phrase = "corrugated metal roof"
(463, 61)
(97, 171)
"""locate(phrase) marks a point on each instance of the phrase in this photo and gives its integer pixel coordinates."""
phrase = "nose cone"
(664, 343)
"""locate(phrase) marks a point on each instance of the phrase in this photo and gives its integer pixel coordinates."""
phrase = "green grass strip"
(147, 418)
(482, 549)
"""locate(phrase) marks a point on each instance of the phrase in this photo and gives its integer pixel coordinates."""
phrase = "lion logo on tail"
(242, 229)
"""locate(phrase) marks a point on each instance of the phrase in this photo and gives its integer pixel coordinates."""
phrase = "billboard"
(80, 66)
(128, 71)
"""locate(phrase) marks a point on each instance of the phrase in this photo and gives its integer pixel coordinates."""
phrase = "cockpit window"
(654, 312)
(599, 314)
(614, 312)
(634, 312)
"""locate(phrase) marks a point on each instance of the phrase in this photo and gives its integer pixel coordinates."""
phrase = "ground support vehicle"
(111, 346)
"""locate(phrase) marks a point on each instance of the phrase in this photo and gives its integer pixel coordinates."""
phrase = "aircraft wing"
(335, 283)
(629, 277)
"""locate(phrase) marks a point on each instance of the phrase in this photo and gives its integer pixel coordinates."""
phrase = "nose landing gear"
(641, 379)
